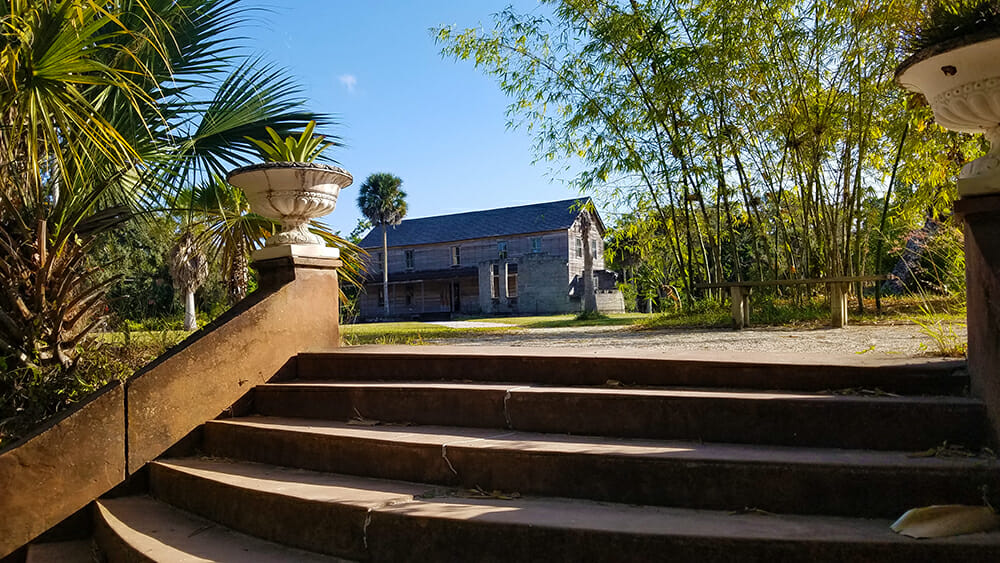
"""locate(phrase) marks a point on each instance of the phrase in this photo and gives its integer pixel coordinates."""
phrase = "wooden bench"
(837, 289)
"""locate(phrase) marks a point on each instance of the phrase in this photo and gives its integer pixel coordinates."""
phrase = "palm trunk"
(238, 274)
(385, 269)
(190, 316)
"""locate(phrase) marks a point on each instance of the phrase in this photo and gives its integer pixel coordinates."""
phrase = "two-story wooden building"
(515, 260)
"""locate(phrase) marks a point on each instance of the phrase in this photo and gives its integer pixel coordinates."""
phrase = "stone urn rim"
(960, 81)
(301, 165)
(944, 47)
(291, 194)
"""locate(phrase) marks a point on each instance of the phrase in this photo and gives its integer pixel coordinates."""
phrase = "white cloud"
(349, 81)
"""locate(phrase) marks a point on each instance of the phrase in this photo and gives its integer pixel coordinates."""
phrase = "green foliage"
(948, 20)
(747, 141)
(382, 200)
(29, 395)
(590, 316)
(136, 254)
(941, 330)
(306, 148)
(103, 117)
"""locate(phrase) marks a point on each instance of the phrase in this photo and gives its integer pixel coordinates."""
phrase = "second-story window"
(536, 245)
(456, 256)
(594, 245)
(408, 254)
(579, 248)
(502, 249)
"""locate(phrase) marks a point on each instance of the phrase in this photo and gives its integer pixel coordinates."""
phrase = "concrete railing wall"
(98, 444)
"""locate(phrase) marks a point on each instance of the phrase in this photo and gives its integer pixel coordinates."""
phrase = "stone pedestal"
(982, 273)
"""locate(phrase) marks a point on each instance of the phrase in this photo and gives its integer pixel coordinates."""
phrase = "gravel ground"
(886, 341)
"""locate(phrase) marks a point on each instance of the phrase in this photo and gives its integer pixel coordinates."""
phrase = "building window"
(381, 297)
(593, 248)
(502, 250)
(409, 295)
(378, 267)
(536, 245)
(579, 248)
(511, 280)
(495, 281)
(456, 256)
(409, 259)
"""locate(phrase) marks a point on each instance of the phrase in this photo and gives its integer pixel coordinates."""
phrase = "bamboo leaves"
(759, 134)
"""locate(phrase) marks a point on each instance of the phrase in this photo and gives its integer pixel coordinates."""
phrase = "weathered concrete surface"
(686, 474)
(141, 529)
(283, 505)
(595, 366)
(780, 418)
(80, 551)
(99, 443)
(57, 471)
(412, 522)
(297, 310)
(982, 273)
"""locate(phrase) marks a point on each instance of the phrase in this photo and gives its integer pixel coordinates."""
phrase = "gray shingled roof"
(535, 218)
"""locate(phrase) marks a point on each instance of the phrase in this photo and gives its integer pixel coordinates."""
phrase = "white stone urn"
(961, 81)
(291, 193)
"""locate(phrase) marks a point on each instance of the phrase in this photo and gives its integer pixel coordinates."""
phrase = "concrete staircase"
(428, 454)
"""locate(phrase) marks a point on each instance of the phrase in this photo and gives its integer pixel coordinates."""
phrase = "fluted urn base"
(982, 176)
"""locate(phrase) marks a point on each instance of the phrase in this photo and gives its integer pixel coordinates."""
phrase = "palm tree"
(229, 230)
(74, 124)
(383, 203)
(102, 119)
(189, 270)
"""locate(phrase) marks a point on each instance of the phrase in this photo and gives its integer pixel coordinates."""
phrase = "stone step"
(668, 473)
(75, 551)
(554, 366)
(378, 520)
(132, 529)
(746, 417)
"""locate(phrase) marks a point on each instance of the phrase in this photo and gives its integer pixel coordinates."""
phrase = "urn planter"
(961, 81)
(291, 193)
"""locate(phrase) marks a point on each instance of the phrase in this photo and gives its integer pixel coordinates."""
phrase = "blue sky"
(438, 124)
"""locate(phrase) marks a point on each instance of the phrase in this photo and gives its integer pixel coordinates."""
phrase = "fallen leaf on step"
(359, 420)
(613, 383)
(876, 392)
(751, 510)
(479, 492)
(949, 450)
(941, 521)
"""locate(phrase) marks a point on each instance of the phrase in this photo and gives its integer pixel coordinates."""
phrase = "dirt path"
(895, 341)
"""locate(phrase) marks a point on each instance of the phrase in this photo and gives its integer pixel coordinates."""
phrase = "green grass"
(143, 337)
(813, 313)
(936, 316)
(406, 333)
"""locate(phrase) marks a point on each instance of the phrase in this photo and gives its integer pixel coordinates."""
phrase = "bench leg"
(740, 298)
(746, 306)
(838, 304)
